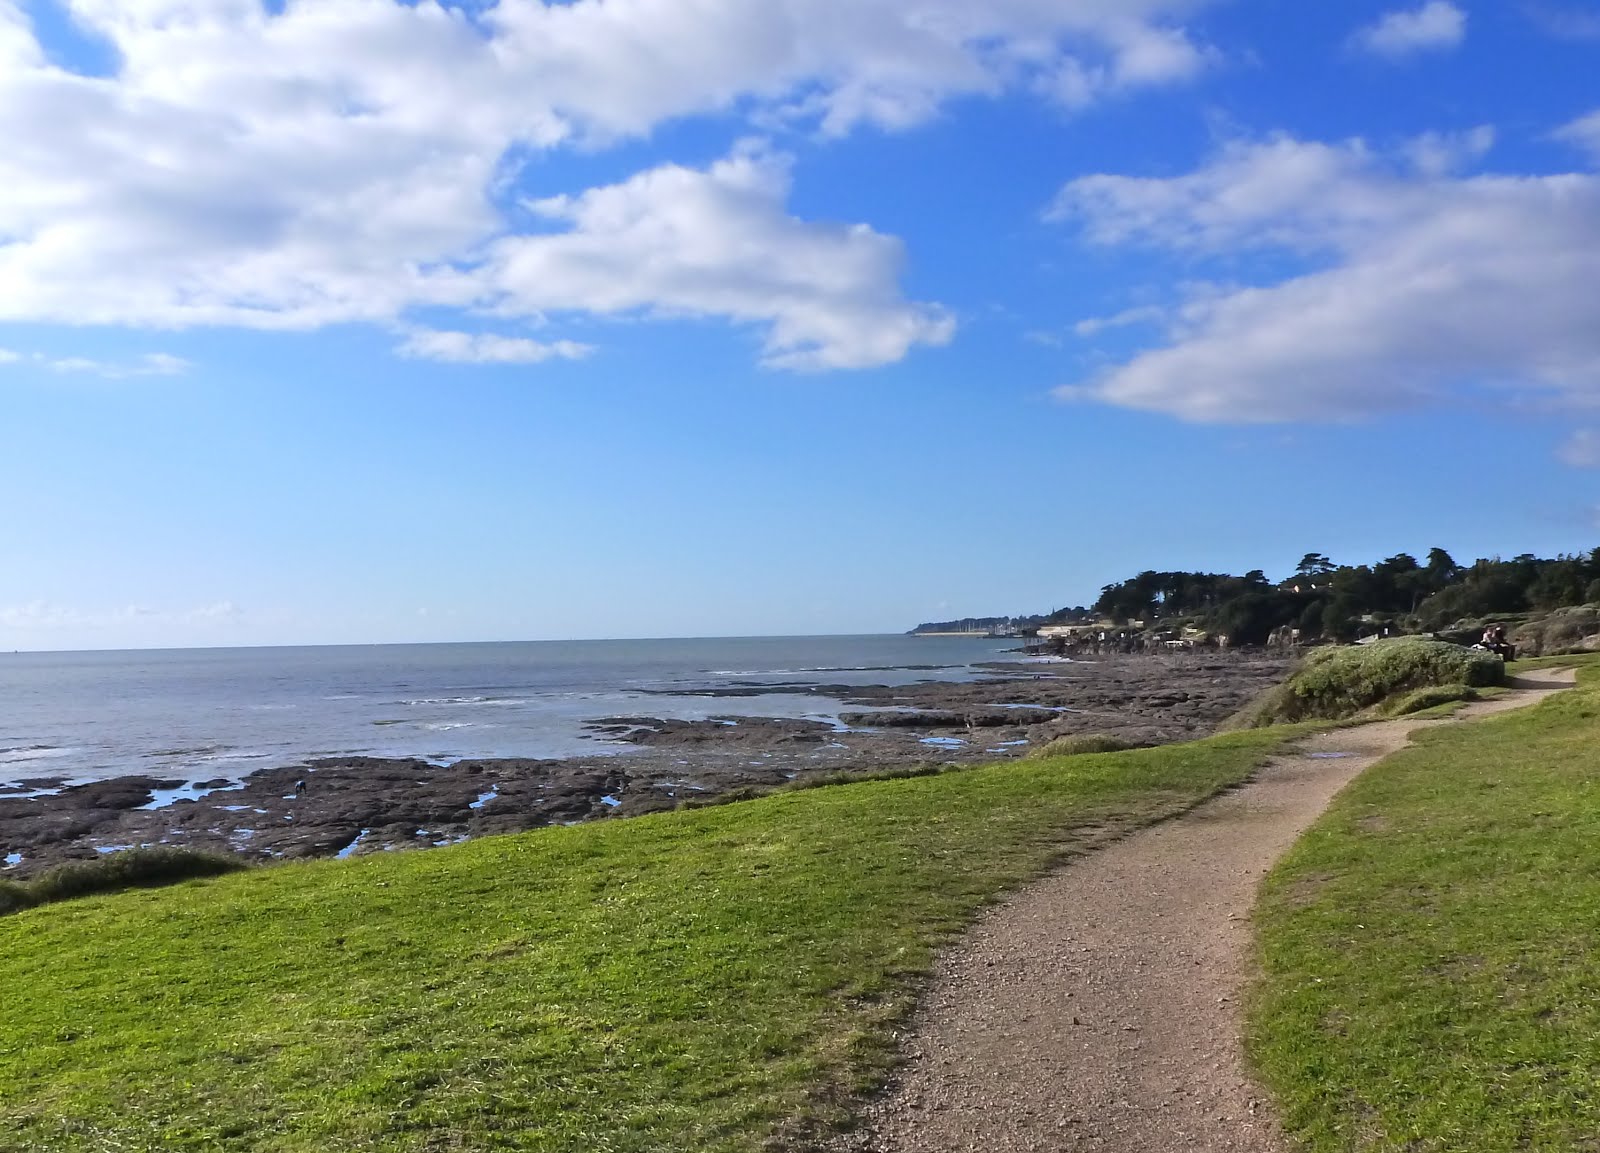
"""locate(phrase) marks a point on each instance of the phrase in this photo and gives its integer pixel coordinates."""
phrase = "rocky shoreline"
(354, 805)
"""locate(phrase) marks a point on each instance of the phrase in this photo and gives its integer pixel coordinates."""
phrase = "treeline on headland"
(990, 626)
(1325, 601)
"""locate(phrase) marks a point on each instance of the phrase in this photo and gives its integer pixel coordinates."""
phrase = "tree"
(1249, 619)
(1133, 599)
(1442, 569)
(1560, 582)
(1339, 621)
(1314, 565)
(1398, 583)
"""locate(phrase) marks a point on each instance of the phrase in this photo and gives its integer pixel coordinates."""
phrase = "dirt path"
(1096, 1009)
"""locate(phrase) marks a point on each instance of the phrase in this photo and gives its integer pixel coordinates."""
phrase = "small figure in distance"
(1494, 639)
(299, 788)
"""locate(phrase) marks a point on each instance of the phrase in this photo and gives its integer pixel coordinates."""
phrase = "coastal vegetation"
(1324, 601)
(1431, 980)
(1395, 676)
(700, 980)
(129, 869)
(1075, 743)
(982, 626)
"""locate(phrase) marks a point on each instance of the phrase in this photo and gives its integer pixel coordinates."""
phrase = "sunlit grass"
(695, 981)
(1430, 947)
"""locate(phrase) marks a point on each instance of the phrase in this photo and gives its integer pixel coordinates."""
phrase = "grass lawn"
(696, 981)
(1432, 947)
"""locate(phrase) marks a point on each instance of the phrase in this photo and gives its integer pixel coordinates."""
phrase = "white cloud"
(1412, 289)
(9, 357)
(1128, 317)
(1147, 56)
(1436, 26)
(1584, 132)
(678, 241)
(1443, 153)
(350, 160)
(152, 364)
(486, 348)
(1565, 21)
(163, 364)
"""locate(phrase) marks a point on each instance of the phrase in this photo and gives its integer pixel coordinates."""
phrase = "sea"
(200, 714)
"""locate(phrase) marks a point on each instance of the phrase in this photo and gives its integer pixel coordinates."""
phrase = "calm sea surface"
(199, 713)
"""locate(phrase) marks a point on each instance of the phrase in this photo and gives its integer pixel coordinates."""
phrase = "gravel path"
(1097, 1008)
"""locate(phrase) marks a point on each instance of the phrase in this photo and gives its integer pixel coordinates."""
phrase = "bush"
(1076, 743)
(14, 897)
(1337, 683)
(134, 868)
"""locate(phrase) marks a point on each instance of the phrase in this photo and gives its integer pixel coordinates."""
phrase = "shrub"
(134, 868)
(1076, 743)
(14, 897)
(1337, 683)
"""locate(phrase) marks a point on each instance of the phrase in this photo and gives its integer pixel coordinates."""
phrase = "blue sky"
(330, 321)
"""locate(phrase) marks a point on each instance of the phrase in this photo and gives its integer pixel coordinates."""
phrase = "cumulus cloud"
(1438, 25)
(330, 161)
(678, 241)
(1410, 287)
(1146, 56)
(487, 348)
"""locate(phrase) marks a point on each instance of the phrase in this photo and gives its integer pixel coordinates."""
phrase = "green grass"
(1375, 679)
(1430, 949)
(1436, 700)
(1534, 664)
(706, 980)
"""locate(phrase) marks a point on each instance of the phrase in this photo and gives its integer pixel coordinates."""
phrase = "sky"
(363, 321)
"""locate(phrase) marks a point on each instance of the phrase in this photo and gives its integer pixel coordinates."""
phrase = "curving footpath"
(1097, 1009)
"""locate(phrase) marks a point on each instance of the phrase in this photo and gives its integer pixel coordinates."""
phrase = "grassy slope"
(688, 981)
(1432, 970)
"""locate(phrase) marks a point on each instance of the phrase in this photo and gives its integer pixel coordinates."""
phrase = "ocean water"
(198, 714)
